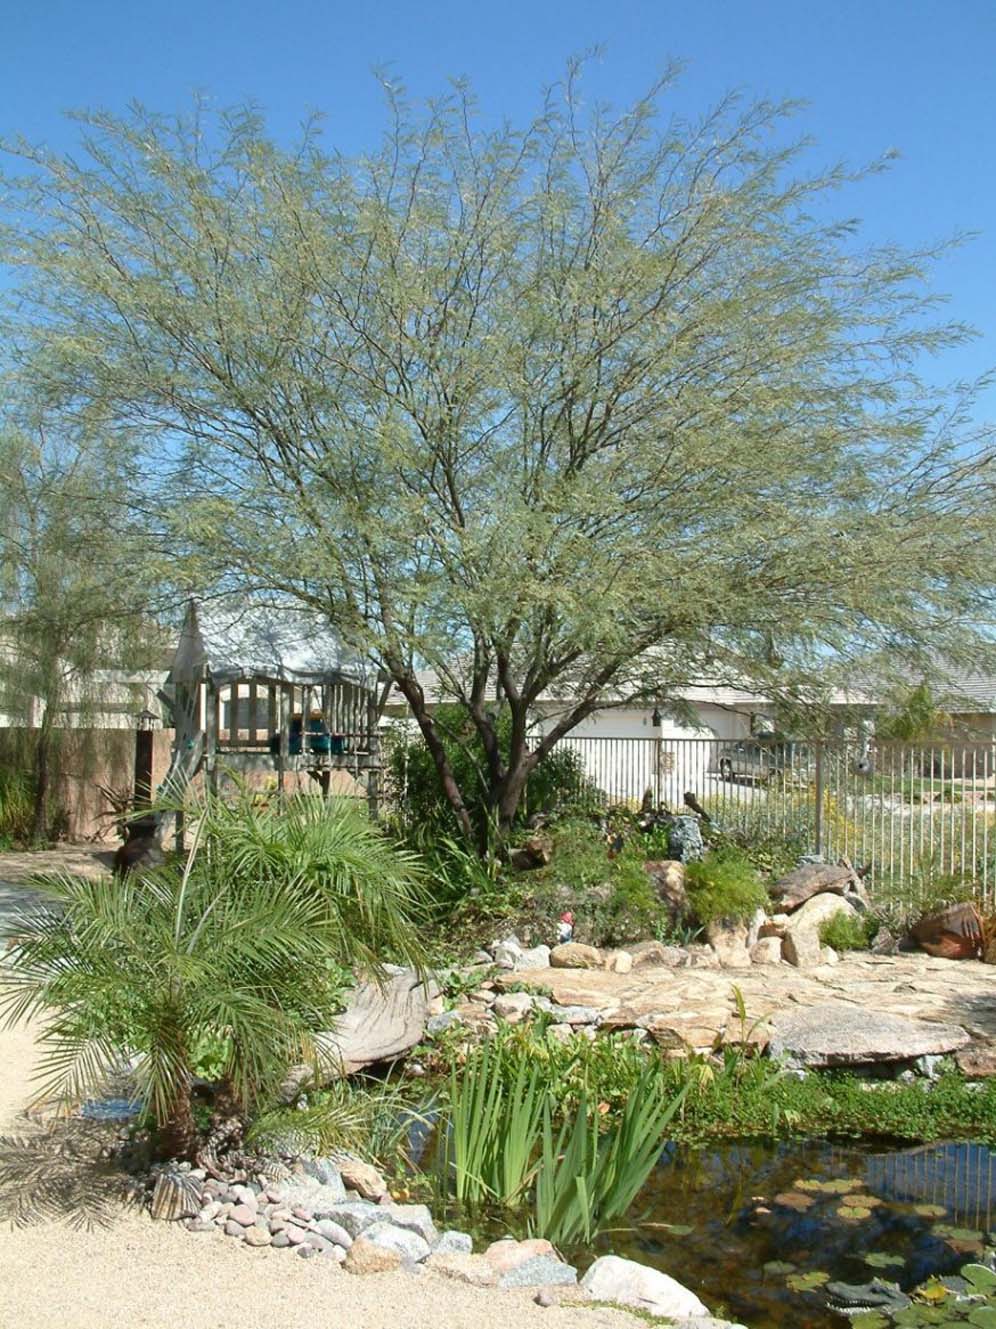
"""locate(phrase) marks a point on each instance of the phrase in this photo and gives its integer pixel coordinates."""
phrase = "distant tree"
(912, 715)
(74, 587)
(585, 411)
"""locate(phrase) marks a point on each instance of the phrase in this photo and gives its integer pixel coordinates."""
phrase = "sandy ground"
(133, 1273)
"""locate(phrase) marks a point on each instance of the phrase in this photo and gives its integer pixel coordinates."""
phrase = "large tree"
(587, 410)
(77, 588)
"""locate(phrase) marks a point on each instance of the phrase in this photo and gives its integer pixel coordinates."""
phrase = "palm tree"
(243, 952)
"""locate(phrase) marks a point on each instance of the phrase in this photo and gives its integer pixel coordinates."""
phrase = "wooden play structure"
(258, 689)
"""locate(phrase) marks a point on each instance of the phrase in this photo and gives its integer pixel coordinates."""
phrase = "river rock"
(401, 1239)
(827, 1035)
(507, 953)
(812, 879)
(334, 1232)
(362, 1178)
(801, 943)
(257, 1236)
(438, 1024)
(367, 1257)
(575, 955)
(628, 1283)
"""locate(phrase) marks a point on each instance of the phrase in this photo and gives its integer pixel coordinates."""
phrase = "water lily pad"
(882, 1260)
(869, 1320)
(807, 1282)
(794, 1200)
(958, 1233)
(983, 1316)
(913, 1317)
(853, 1213)
(981, 1278)
(930, 1210)
(774, 1268)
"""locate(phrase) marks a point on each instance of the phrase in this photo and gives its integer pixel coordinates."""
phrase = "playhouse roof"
(252, 639)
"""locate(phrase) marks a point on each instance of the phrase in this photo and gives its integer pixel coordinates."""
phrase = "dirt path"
(136, 1274)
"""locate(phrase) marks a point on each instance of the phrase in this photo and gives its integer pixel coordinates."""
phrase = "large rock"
(464, 1268)
(508, 1253)
(393, 1238)
(667, 876)
(801, 943)
(730, 941)
(513, 1006)
(854, 1035)
(367, 1257)
(575, 955)
(362, 1178)
(802, 883)
(646, 953)
(954, 933)
(380, 1022)
(628, 1283)
(768, 950)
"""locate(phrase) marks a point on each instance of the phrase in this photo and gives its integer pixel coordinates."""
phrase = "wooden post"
(819, 798)
(282, 715)
(373, 768)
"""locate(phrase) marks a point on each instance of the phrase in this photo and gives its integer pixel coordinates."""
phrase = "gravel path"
(142, 1275)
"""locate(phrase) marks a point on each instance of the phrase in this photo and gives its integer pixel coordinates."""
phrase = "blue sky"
(913, 75)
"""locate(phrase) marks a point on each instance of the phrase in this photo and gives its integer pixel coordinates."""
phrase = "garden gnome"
(565, 928)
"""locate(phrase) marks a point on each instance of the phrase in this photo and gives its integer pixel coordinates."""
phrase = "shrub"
(557, 784)
(17, 804)
(724, 885)
(848, 932)
(234, 960)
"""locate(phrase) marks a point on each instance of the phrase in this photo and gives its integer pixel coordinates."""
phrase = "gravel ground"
(136, 1274)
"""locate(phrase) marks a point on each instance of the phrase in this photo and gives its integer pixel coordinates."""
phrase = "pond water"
(757, 1229)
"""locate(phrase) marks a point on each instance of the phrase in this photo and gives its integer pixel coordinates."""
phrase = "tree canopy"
(589, 410)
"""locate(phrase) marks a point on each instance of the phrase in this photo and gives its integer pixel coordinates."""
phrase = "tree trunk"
(416, 700)
(178, 1133)
(43, 777)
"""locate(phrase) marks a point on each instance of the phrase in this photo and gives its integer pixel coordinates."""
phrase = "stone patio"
(697, 1008)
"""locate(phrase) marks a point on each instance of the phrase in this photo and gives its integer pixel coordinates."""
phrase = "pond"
(758, 1229)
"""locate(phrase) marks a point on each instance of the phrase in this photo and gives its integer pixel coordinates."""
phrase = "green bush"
(848, 932)
(724, 885)
(557, 784)
(231, 961)
(17, 805)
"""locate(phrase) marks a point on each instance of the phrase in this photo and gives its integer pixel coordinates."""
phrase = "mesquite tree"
(589, 410)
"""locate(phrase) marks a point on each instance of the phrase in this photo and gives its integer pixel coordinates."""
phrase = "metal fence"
(914, 813)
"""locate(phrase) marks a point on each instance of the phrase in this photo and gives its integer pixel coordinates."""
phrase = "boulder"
(685, 839)
(575, 955)
(802, 883)
(390, 1237)
(454, 1243)
(508, 953)
(415, 1217)
(774, 926)
(619, 962)
(667, 876)
(645, 953)
(628, 1283)
(730, 941)
(382, 1021)
(801, 944)
(355, 1216)
(839, 1035)
(978, 1061)
(768, 950)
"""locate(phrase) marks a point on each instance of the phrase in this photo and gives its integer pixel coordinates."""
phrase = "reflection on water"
(715, 1219)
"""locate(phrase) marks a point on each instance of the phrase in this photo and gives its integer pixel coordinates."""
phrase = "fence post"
(819, 798)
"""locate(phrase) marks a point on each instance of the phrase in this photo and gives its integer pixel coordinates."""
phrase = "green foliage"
(555, 785)
(232, 961)
(724, 885)
(499, 1141)
(849, 932)
(912, 715)
(17, 802)
(589, 1173)
(370, 1118)
(508, 319)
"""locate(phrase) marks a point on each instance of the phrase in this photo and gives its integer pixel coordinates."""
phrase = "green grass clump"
(724, 885)
(848, 932)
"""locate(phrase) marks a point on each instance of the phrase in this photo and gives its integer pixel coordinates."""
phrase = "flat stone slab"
(837, 1035)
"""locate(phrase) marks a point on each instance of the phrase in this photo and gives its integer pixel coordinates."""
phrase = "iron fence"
(913, 813)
